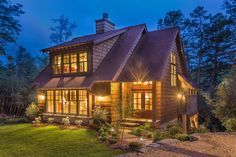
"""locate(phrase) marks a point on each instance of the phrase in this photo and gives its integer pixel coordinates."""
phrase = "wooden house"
(119, 70)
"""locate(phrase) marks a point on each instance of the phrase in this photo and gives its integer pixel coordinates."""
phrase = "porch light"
(139, 82)
(141, 140)
(41, 97)
(146, 82)
(112, 130)
(179, 96)
(101, 98)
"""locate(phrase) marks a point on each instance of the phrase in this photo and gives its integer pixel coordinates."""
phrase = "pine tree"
(62, 29)
(9, 25)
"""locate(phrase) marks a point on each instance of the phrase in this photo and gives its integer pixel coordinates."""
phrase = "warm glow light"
(139, 82)
(101, 98)
(41, 97)
(146, 82)
(179, 96)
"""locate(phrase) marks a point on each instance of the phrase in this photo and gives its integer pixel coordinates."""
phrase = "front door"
(142, 104)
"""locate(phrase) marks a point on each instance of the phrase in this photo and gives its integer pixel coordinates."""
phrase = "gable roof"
(149, 58)
(109, 68)
(93, 38)
(137, 55)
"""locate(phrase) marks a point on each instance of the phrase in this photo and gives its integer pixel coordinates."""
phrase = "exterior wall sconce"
(41, 97)
(101, 98)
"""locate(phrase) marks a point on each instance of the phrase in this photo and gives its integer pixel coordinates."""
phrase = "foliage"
(173, 129)
(230, 124)
(160, 135)
(100, 116)
(32, 110)
(50, 120)
(104, 132)
(78, 122)
(65, 121)
(51, 141)
(62, 29)
(134, 146)
(17, 120)
(9, 23)
(143, 130)
(37, 120)
(225, 107)
(182, 137)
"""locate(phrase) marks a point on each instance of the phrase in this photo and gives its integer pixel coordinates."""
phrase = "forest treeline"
(209, 44)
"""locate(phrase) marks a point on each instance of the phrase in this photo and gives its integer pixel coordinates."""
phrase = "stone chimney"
(103, 25)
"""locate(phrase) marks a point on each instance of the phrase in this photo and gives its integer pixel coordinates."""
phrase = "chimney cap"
(105, 15)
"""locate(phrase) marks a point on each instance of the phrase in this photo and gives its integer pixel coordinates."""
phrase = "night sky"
(39, 14)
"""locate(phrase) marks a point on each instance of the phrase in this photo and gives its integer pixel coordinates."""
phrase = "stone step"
(130, 124)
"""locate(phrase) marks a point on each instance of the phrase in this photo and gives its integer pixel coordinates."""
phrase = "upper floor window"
(173, 69)
(57, 64)
(69, 63)
(83, 62)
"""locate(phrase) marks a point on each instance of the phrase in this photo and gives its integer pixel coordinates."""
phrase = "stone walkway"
(208, 145)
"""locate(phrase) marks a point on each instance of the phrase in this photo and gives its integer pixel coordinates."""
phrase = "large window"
(83, 102)
(142, 100)
(69, 63)
(50, 102)
(137, 100)
(73, 102)
(57, 64)
(148, 101)
(173, 69)
(67, 101)
(83, 62)
(58, 101)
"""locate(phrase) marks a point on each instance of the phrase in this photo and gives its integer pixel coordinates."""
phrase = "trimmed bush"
(230, 124)
(78, 122)
(134, 146)
(161, 135)
(174, 129)
(37, 120)
(50, 120)
(32, 111)
(183, 137)
(65, 121)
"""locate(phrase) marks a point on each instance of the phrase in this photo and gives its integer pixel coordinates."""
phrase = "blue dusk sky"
(39, 14)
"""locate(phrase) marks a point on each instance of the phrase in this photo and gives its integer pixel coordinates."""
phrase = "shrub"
(160, 135)
(37, 120)
(134, 146)
(173, 129)
(78, 122)
(32, 111)
(137, 131)
(66, 121)
(50, 120)
(100, 116)
(230, 124)
(183, 137)
(143, 130)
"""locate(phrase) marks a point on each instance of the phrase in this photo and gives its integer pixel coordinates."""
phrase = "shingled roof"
(136, 52)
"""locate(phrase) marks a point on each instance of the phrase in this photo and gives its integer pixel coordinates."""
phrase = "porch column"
(154, 102)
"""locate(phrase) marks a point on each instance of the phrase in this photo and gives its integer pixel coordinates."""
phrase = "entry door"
(142, 104)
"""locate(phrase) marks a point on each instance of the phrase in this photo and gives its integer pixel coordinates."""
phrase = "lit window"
(50, 101)
(58, 101)
(65, 100)
(73, 100)
(57, 64)
(137, 101)
(83, 62)
(173, 70)
(83, 102)
(73, 62)
(66, 64)
(148, 101)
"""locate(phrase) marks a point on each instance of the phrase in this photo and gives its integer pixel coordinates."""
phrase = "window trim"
(173, 70)
(77, 63)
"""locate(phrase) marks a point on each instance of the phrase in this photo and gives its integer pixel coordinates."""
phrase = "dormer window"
(57, 64)
(83, 62)
(68, 63)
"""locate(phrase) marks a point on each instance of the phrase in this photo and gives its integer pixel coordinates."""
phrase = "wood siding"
(169, 101)
(115, 101)
(100, 51)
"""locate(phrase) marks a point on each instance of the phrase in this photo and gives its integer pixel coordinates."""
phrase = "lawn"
(23, 140)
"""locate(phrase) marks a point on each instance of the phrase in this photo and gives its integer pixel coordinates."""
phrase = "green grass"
(23, 140)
